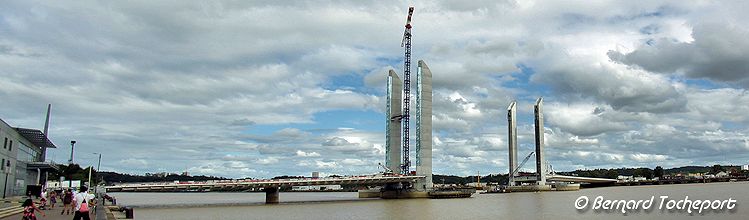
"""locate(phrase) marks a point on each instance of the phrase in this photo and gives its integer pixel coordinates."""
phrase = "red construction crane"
(406, 42)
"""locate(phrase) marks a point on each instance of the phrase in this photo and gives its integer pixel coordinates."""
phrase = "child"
(52, 199)
(43, 204)
(28, 210)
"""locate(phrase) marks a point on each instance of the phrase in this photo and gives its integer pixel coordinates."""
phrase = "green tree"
(658, 172)
(74, 172)
(717, 168)
(643, 172)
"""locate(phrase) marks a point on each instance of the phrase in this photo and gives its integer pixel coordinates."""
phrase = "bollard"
(114, 200)
(128, 212)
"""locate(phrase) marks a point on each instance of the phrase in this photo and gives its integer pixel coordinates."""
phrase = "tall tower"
(393, 127)
(424, 126)
(512, 138)
(406, 43)
(540, 167)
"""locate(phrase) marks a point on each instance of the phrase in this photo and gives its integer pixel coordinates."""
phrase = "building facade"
(22, 158)
(317, 188)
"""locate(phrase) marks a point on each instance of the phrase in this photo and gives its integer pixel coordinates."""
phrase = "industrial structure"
(424, 126)
(515, 181)
(398, 121)
(514, 168)
(22, 158)
(513, 141)
(537, 182)
(539, 128)
(393, 123)
(406, 43)
(397, 180)
(398, 125)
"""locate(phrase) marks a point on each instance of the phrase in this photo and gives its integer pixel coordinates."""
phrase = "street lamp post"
(70, 162)
(90, 168)
(98, 166)
(72, 147)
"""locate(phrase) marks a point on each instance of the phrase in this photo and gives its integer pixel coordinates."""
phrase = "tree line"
(75, 172)
(601, 173)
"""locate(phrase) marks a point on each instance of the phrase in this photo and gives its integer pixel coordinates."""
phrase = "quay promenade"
(54, 214)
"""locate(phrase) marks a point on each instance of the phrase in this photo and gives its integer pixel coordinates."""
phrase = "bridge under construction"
(537, 182)
(397, 179)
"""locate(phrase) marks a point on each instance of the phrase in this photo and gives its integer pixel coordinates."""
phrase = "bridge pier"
(271, 195)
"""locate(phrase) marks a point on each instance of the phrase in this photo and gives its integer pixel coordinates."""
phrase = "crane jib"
(405, 119)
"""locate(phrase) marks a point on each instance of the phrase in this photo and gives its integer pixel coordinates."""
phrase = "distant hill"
(694, 169)
(76, 172)
(649, 173)
(599, 173)
(112, 177)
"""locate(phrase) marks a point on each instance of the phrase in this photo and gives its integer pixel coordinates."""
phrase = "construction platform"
(528, 188)
(537, 188)
(407, 194)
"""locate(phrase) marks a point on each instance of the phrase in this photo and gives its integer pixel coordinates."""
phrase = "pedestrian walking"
(52, 199)
(29, 210)
(67, 199)
(83, 204)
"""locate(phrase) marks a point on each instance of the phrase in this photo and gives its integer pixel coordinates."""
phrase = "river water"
(346, 205)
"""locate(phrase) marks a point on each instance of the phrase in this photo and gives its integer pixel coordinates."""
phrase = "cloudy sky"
(267, 88)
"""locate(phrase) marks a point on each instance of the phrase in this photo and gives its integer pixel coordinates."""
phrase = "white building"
(625, 178)
(22, 159)
(745, 167)
(475, 184)
(55, 185)
(317, 188)
(721, 174)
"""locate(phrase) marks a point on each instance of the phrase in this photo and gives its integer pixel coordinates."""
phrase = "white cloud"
(138, 163)
(233, 86)
(648, 157)
(300, 153)
(267, 161)
(326, 165)
(353, 162)
(577, 139)
(582, 119)
(716, 52)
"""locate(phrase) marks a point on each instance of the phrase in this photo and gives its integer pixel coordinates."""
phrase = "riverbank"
(544, 205)
(160, 200)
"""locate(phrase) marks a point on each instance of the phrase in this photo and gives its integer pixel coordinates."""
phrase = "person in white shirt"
(78, 200)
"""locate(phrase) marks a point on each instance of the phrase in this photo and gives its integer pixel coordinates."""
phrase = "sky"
(268, 88)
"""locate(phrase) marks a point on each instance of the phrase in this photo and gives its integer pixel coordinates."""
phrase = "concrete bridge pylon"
(512, 140)
(539, 141)
(539, 119)
(424, 127)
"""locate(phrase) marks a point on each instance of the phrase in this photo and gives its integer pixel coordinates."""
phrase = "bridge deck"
(562, 178)
(243, 185)
(579, 179)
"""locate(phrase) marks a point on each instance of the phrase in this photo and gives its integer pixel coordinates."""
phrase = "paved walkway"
(53, 214)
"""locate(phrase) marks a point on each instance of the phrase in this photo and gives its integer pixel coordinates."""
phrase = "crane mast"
(406, 43)
(515, 172)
